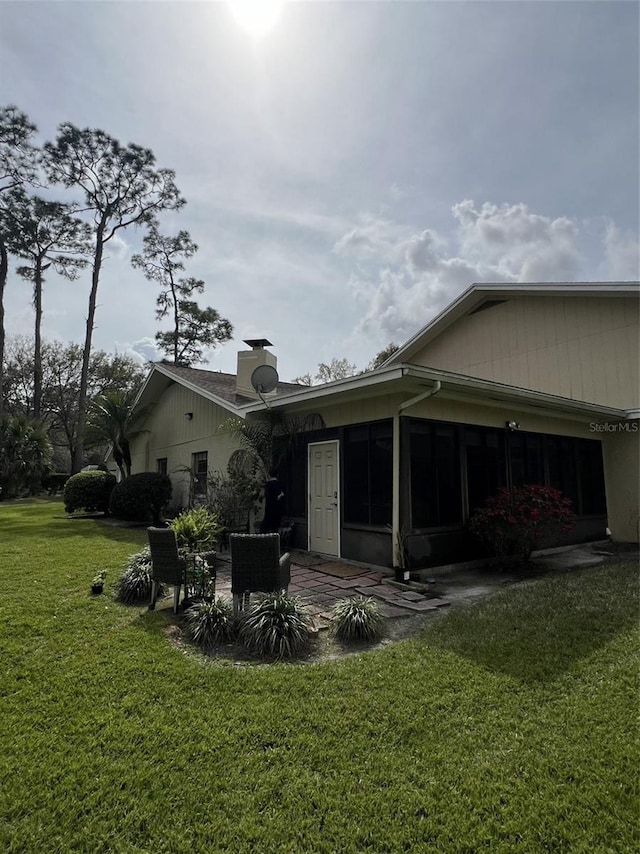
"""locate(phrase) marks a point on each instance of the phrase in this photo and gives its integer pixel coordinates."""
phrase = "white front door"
(324, 504)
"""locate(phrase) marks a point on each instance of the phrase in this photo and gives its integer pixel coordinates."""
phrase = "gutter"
(419, 397)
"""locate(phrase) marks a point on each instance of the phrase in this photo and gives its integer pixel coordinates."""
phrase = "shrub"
(277, 627)
(357, 619)
(141, 497)
(210, 623)
(197, 530)
(134, 585)
(89, 491)
(514, 523)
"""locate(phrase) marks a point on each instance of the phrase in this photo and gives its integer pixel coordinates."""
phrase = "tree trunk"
(37, 342)
(4, 270)
(176, 324)
(78, 456)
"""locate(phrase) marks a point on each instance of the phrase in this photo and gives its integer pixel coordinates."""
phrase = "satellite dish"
(264, 379)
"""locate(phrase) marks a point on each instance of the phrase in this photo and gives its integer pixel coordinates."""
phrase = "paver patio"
(320, 582)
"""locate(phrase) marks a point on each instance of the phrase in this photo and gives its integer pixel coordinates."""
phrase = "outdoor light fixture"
(512, 425)
(189, 416)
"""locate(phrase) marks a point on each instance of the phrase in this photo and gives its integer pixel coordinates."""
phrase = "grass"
(507, 726)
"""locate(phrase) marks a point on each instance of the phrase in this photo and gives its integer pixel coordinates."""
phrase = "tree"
(62, 369)
(25, 453)
(18, 164)
(337, 369)
(111, 418)
(198, 328)
(380, 358)
(47, 235)
(121, 188)
(193, 328)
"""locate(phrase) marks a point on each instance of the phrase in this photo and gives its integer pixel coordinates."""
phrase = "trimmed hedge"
(141, 497)
(89, 491)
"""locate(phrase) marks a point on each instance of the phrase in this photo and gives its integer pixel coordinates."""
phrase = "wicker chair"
(256, 565)
(168, 566)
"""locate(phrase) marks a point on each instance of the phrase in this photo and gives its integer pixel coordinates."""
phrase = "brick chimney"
(248, 361)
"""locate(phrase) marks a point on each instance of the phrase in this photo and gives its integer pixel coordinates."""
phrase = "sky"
(352, 170)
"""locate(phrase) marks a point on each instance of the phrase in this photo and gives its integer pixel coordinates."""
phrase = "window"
(436, 495)
(161, 465)
(199, 468)
(368, 473)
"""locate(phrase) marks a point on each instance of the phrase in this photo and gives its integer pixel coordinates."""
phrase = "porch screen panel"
(368, 473)
(486, 464)
(563, 468)
(592, 492)
(380, 473)
(436, 495)
(526, 459)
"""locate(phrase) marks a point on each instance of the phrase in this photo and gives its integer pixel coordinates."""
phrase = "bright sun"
(257, 17)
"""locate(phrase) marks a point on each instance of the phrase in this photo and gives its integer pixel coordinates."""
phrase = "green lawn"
(508, 726)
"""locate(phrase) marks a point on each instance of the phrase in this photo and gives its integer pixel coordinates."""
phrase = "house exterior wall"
(621, 452)
(170, 435)
(584, 348)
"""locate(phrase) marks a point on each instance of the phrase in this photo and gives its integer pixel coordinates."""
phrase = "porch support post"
(395, 510)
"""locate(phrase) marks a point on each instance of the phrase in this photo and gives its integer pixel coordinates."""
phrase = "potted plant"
(97, 585)
(401, 561)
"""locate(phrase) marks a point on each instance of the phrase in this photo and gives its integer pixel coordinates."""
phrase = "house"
(510, 384)
(184, 409)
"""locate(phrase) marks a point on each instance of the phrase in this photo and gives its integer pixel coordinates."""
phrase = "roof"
(214, 385)
(479, 295)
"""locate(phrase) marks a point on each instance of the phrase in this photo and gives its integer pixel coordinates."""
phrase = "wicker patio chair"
(257, 566)
(168, 566)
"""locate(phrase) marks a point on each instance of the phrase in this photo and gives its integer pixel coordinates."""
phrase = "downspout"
(395, 510)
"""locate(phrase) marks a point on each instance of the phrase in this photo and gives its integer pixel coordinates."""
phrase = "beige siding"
(169, 434)
(621, 451)
(584, 348)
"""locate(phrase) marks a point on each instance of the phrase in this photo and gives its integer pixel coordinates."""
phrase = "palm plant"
(25, 453)
(266, 440)
(111, 419)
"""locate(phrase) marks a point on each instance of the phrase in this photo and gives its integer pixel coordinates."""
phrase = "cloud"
(516, 243)
(373, 238)
(622, 255)
(403, 279)
(141, 351)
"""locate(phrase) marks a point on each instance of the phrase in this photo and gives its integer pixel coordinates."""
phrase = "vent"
(490, 303)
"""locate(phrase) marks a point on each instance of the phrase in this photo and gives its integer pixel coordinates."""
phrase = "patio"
(320, 582)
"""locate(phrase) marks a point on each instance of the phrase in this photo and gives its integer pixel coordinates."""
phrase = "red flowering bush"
(514, 522)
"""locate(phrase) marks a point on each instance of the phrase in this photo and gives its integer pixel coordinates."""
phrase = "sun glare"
(257, 17)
